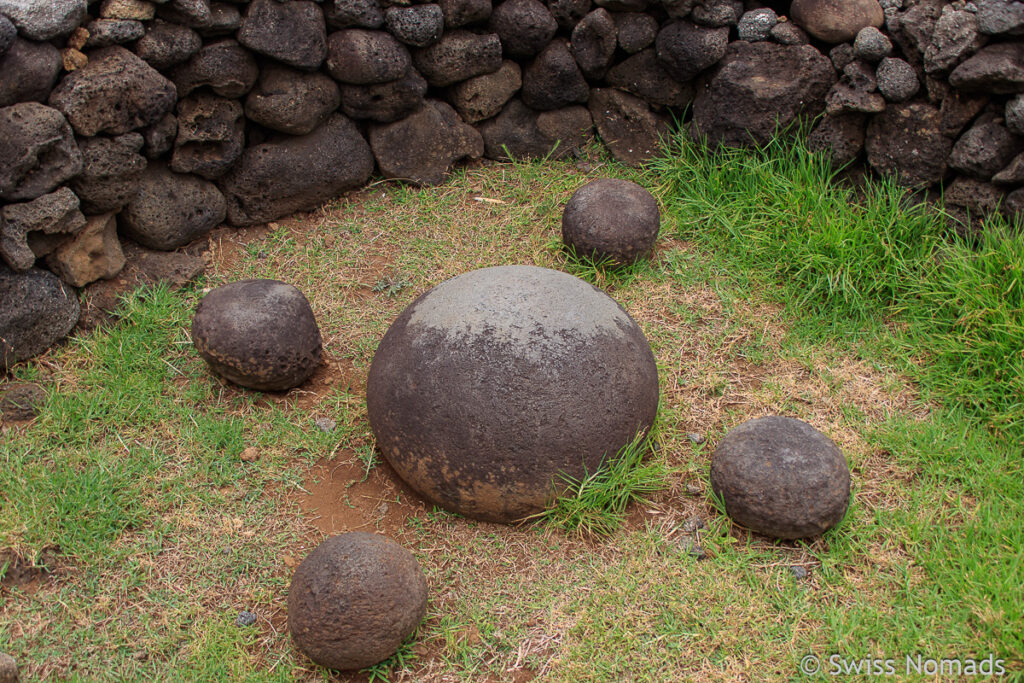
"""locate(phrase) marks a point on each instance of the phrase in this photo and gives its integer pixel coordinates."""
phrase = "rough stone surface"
(107, 32)
(116, 92)
(225, 19)
(644, 76)
(978, 197)
(158, 139)
(54, 214)
(896, 80)
(717, 13)
(38, 311)
(225, 67)
(757, 25)
(353, 13)
(289, 174)
(482, 97)
(191, 13)
(568, 12)
(1014, 114)
(139, 10)
(28, 72)
(418, 25)
(166, 44)
(758, 88)
(611, 219)
(362, 57)
(629, 129)
(593, 43)
(37, 151)
(291, 101)
(788, 33)
(457, 56)
(18, 402)
(8, 34)
(781, 477)
(94, 253)
(424, 145)
(1013, 207)
(954, 37)
(290, 32)
(169, 210)
(959, 109)
(384, 102)
(985, 149)
(635, 30)
(493, 384)
(211, 135)
(871, 44)
(994, 69)
(458, 13)
(524, 27)
(553, 80)
(354, 600)
(522, 133)
(855, 91)
(44, 19)
(259, 334)
(998, 17)
(686, 49)
(841, 137)
(110, 173)
(836, 21)
(906, 140)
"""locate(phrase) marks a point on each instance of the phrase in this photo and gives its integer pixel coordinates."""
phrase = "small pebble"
(694, 490)
(325, 424)
(250, 454)
(799, 572)
(695, 437)
(694, 523)
(245, 619)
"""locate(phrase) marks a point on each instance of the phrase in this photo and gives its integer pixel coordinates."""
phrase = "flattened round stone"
(260, 334)
(781, 477)
(493, 384)
(611, 219)
(354, 599)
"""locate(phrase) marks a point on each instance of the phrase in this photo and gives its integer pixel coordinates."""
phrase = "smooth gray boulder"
(492, 386)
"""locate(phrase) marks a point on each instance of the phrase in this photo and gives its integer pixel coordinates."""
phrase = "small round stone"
(871, 44)
(896, 80)
(781, 477)
(756, 25)
(245, 618)
(354, 599)
(611, 219)
(260, 334)
(492, 385)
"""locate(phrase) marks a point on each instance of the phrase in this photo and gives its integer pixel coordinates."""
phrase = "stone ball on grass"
(781, 477)
(494, 384)
(260, 334)
(354, 600)
(610, 219)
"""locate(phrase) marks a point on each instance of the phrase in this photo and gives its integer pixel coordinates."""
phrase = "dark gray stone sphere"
(781, 477)
(354, 599)
(260, 334)
(491, 384)
(611, 219)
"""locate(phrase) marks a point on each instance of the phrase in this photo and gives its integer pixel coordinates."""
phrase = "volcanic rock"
(94, 253)
(524, 27)
(553, 80)
(166, 44)
(836, 21)
(291, 101)
(610, 219)
(361, 57)
(225, 67)
(627, 126)
(482, 97)
(111, 172)
(521, 133)
(37, 151)
(28, 72)
(290, 32)
(418, 25)
(169, 210)
(906, 140)
(686, 49)
(55, 215)
(38, 311)
(384, 102)
(459, 55)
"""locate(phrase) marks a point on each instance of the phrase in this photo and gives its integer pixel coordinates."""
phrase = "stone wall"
(150, 122)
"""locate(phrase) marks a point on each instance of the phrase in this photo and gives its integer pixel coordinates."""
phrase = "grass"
(770, 291)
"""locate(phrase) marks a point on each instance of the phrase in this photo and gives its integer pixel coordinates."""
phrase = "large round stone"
(354, 599)
(781, 477)
(260, 334)
(611, 219)
(492, 385)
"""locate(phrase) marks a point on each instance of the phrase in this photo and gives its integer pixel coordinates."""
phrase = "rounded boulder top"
(260, 334)
(354, 599)
(781, 477)
(611, 219)
(494, 385)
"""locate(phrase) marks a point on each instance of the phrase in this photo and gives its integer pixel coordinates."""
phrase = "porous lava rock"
(94, 253)
(44, 19)
(635, 30)
(985, 149)
(611, 219)
(225, 67)
(192, 13)
(522, 133)
(491, 386)
(524, 27)
(290, 32)
(354, 600)
(107, 32)
(593, 43)
(630, 130)
(482, 97)
(457, 56)
(169, 210)
(836, 21)
(353, 13)
(759, 88)
(418, 25)
(839, 136)
(361, 57)
(166, 44)
(37, 151)
(38, 311)
(211, 135)
(458, 13)
(291, 101)
(286, 174)
(781, 477)
(384, 102)
(643, 75)
(568, 12)
(116, 92)
(47, 219)
(28, 72)
(906, 141)
(259, 334)
(8, 34)
(553, 80)
(686, 49)
(424, 145)
(111, 172)
(995, 69)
